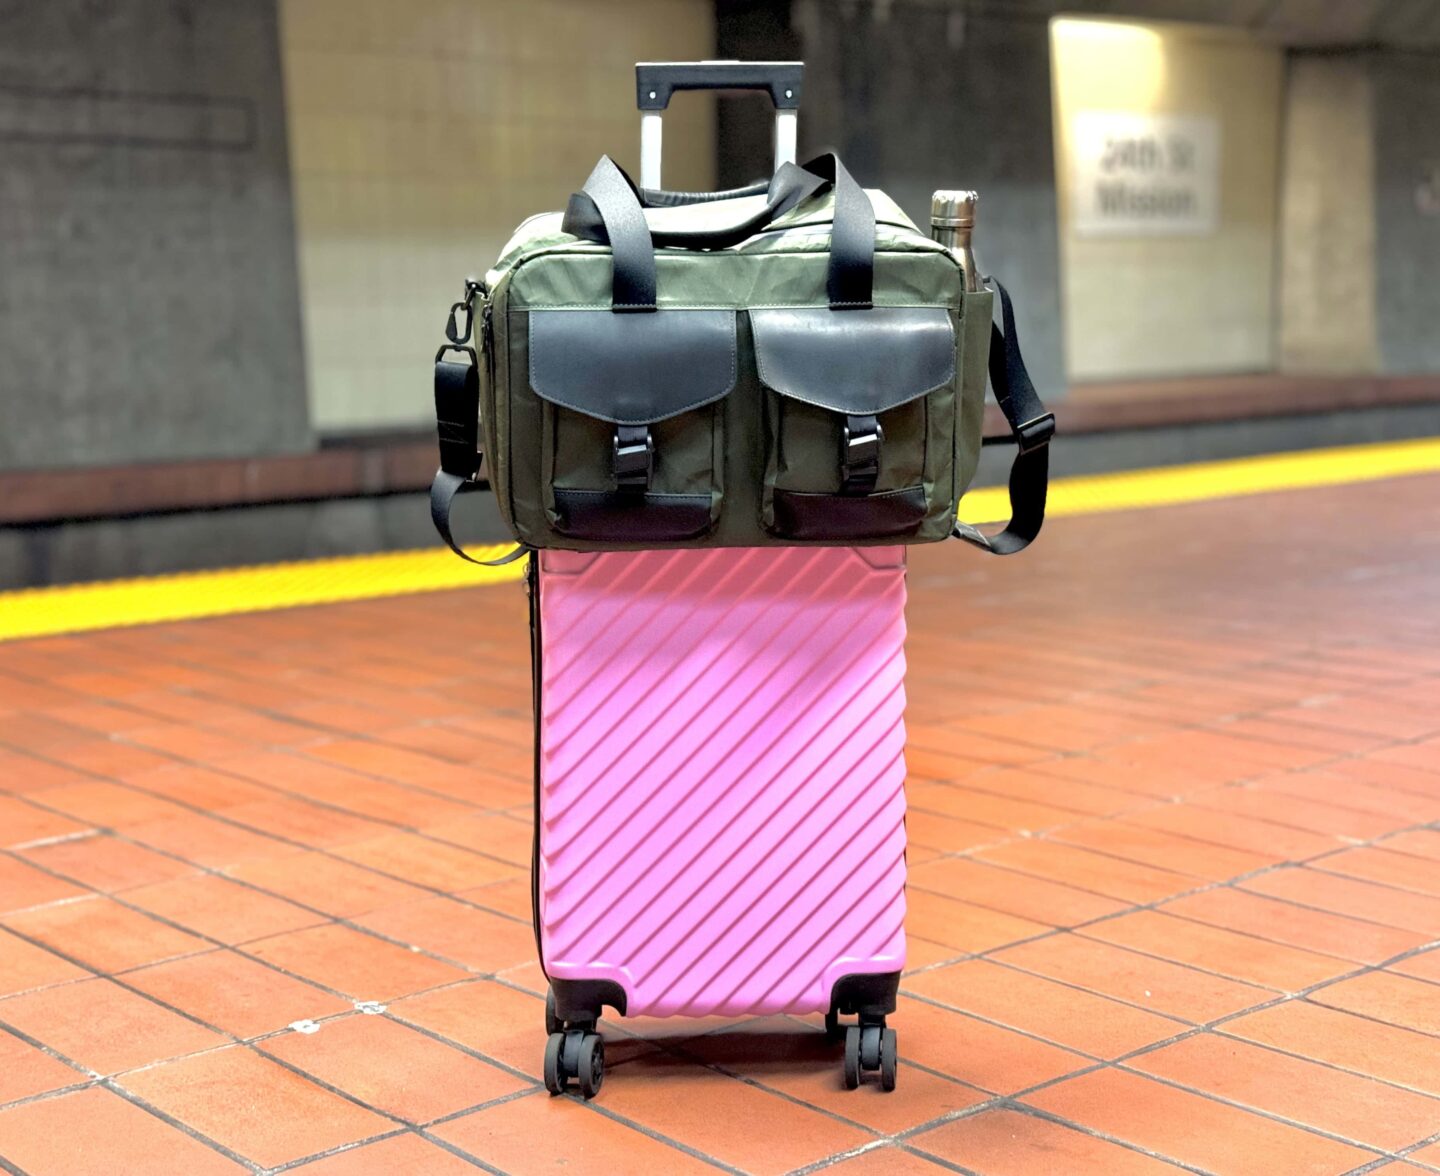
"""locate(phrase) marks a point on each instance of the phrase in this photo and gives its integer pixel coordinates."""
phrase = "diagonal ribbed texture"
(722, 769)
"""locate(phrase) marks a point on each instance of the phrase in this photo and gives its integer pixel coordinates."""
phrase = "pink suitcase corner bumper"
(721, 772)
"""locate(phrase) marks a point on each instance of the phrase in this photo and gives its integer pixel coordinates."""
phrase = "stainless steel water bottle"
(952, 221)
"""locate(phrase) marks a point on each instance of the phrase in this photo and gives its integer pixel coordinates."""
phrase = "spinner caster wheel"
(889, 1059)
(553, 1023)
(870, 1048)
(590, 1065)
(555, 1077)
(577, 1053)
(852, 1057)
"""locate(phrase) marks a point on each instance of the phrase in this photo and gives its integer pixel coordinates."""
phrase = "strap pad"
(457, 412)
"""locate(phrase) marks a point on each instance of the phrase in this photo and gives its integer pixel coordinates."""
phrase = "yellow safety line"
(1233, 478)
(47, 611)
(38, 612)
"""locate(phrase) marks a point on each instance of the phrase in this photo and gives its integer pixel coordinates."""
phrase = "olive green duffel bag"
(794, 364)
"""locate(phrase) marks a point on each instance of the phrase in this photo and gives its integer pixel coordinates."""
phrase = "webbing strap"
(609, 209)
(443, 491)
(618, 203)
(1031, 426)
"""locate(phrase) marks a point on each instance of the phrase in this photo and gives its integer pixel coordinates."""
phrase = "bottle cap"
(953, 209)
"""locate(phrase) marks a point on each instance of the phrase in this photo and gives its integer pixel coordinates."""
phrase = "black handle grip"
(656, 81)
(608, 210)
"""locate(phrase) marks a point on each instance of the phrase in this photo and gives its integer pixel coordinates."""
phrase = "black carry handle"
(609, 210)
(657, 81)
(584, 218)
(667, 198)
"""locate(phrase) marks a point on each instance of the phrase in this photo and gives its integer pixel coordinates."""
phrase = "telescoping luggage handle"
(657, 81)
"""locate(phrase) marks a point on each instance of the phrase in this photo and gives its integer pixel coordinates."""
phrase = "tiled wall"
(423, 131)
(1141, 306)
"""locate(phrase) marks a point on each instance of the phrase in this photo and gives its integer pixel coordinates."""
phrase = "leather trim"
(858, 362)
(632, 369)
(801, 515)
(630, 517)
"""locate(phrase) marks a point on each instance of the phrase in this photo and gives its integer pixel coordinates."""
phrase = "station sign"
(1144, 175)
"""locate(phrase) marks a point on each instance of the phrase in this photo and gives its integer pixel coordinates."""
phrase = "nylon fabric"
(552, 465)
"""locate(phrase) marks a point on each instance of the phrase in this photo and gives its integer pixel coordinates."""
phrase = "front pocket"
(632, 445)
(859, 408)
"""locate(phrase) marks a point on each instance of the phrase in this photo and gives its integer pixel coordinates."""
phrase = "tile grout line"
(1198, 1030)
(219, 816)
(1273, 1116)
(199, 869)
(1156, 905)
(253, 1041)
(1012, 1103)
(1215, 1026)
(179, 1124)
(340, 1149)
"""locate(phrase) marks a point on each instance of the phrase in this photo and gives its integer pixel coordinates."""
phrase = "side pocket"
(853, 400)
(974, 359)
(632, 440)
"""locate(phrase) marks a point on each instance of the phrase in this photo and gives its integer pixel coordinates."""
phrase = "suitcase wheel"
(555, 1080)
(870, 1046)
(889, 1059)
(852, 1057)
(575, 1053)
(590, 1066)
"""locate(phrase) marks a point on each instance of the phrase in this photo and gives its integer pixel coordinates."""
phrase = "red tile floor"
(1175, 863)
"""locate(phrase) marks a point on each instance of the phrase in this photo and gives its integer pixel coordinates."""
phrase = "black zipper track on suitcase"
(532, 586)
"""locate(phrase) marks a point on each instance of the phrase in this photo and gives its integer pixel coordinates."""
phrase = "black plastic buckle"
(860, 441)
(634, 453)
(1034, 433)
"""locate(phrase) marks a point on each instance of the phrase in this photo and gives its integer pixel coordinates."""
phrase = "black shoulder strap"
(1032, 428)
(443, 491)
(457, 421)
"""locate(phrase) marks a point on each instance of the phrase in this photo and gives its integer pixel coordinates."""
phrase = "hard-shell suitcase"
(720, 804)
(720, 810)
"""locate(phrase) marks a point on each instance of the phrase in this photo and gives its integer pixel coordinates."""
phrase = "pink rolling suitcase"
(720, 791)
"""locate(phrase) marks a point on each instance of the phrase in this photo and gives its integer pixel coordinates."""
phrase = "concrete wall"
(423, 132)
(1360, 244)
(1407, 210)
(148, 296)
(917, 97)
(1180, 304)
(1327, 238)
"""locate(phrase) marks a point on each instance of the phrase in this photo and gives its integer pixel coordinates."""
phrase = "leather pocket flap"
(854, 361)
(632, 369)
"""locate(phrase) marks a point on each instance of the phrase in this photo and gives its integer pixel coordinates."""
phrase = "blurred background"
(230, 229)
